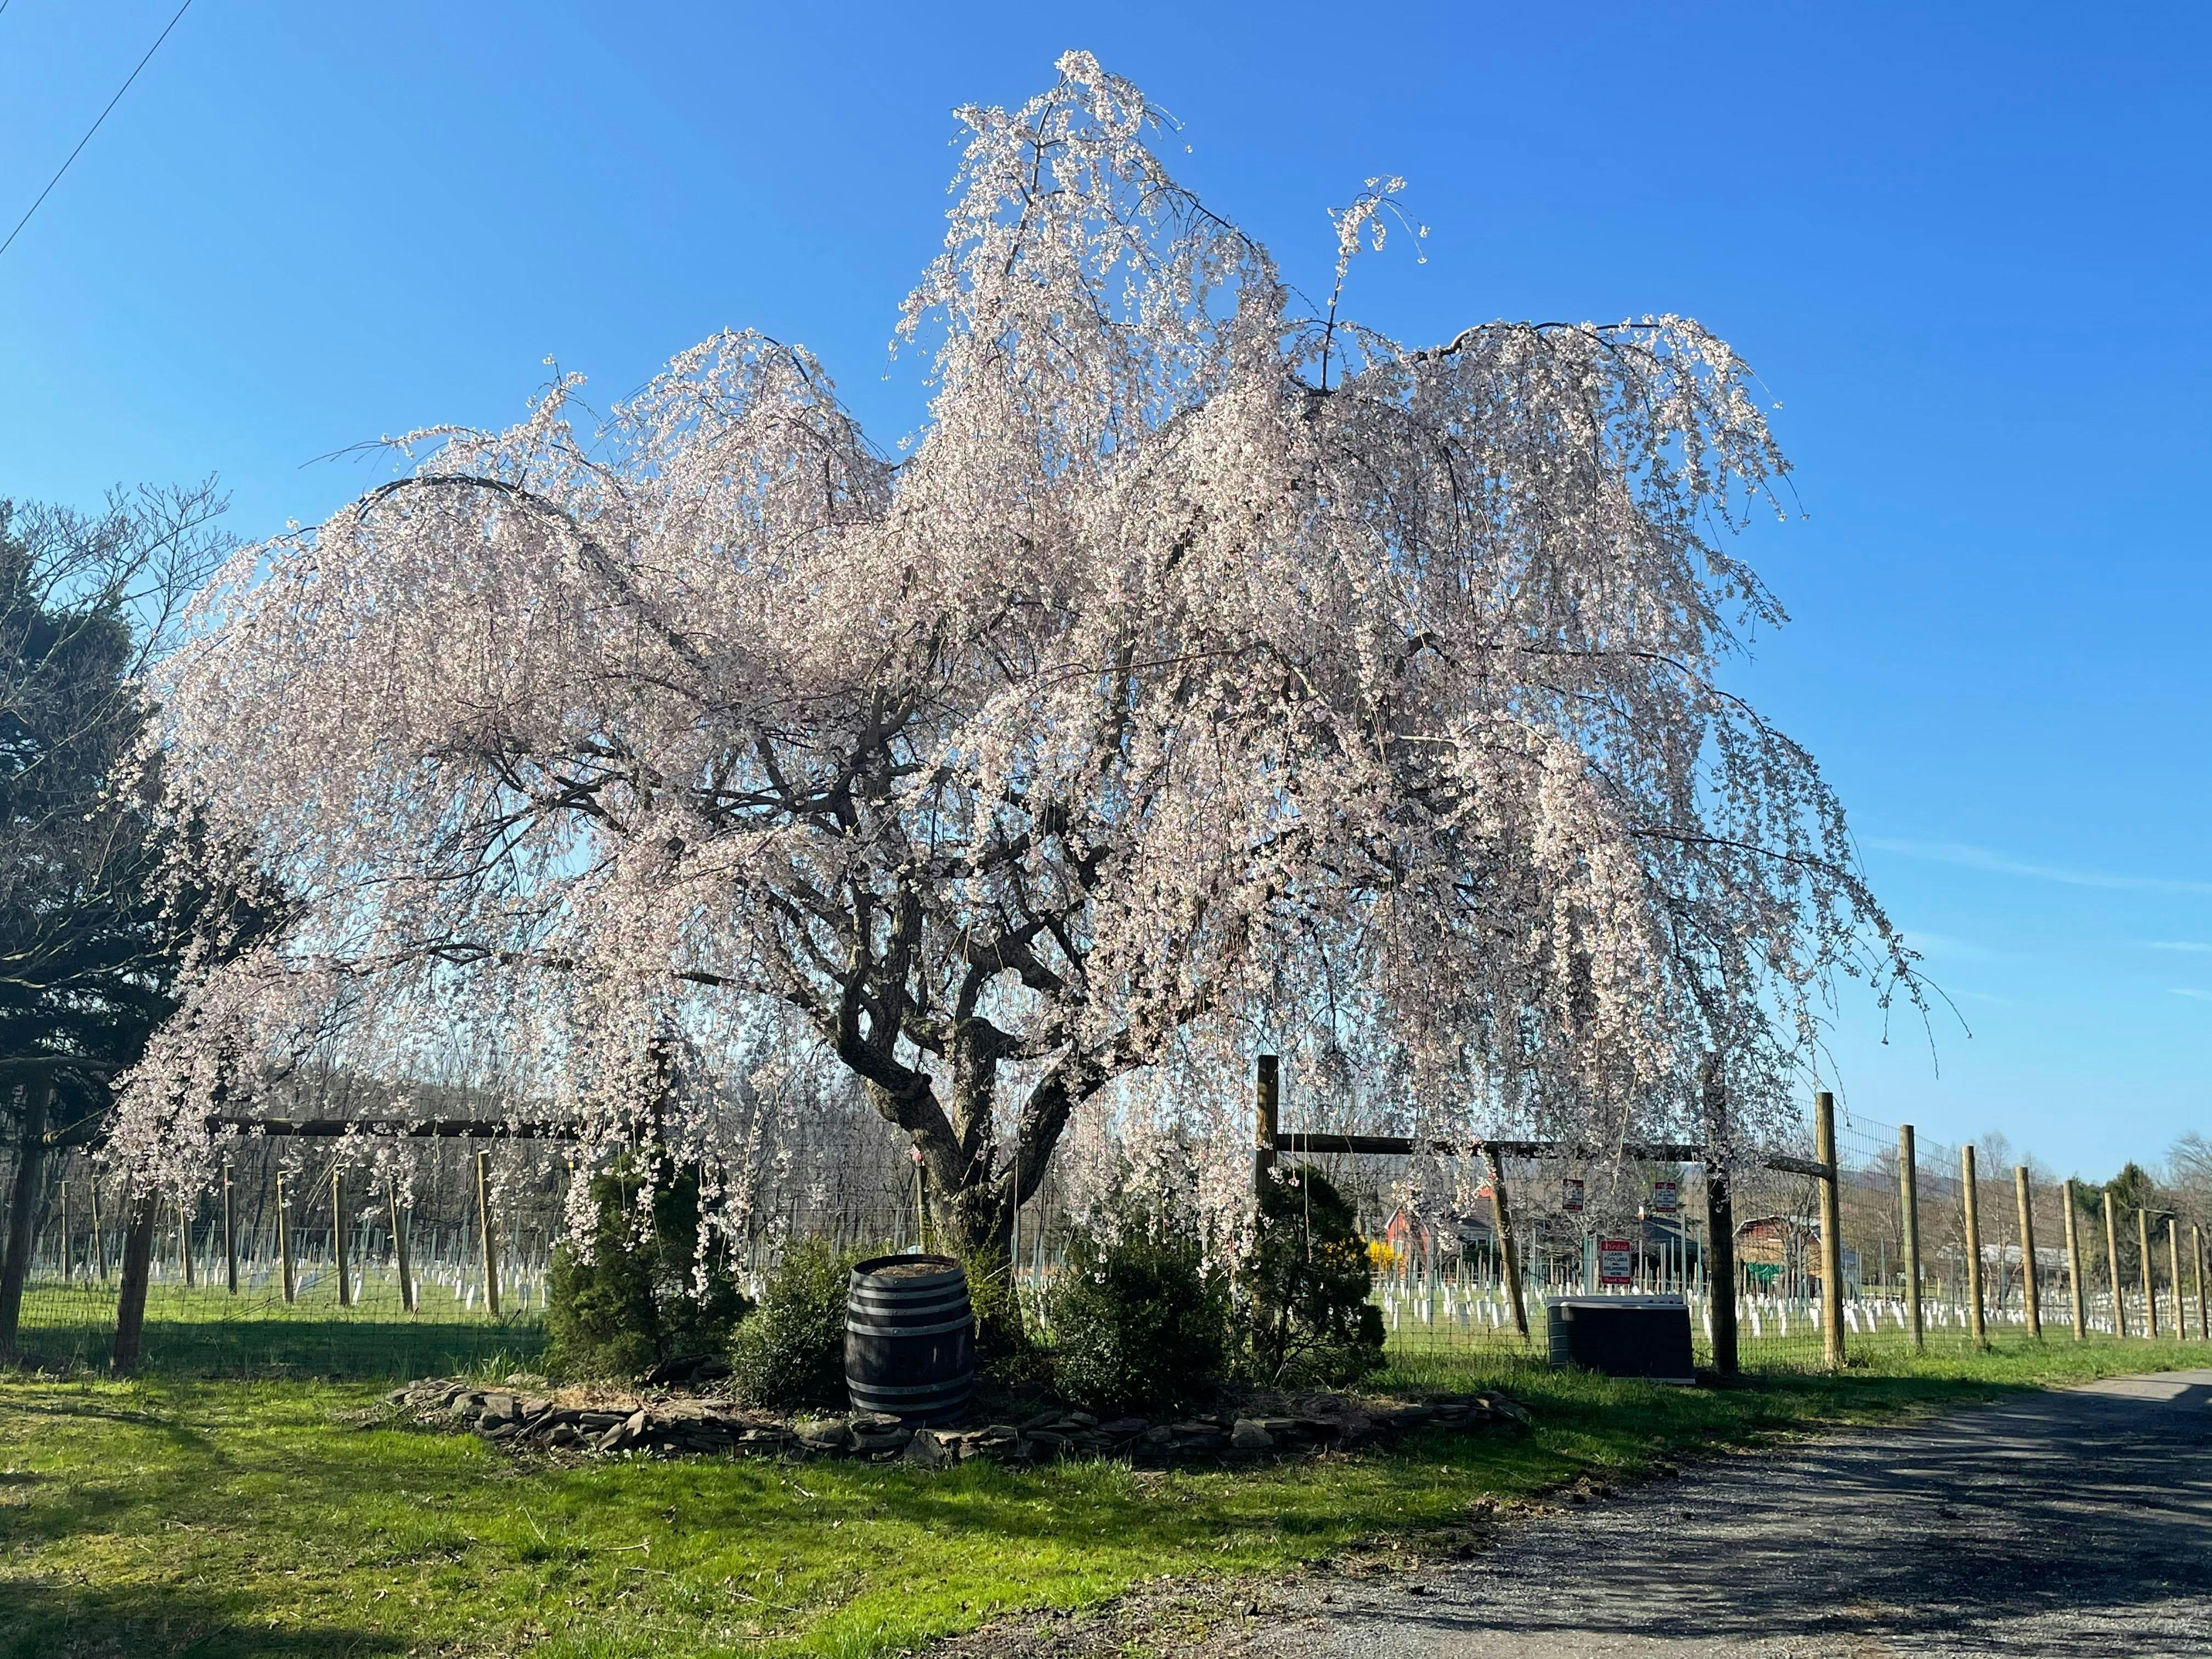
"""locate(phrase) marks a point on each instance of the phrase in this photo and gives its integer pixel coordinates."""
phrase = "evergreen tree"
(96, 906)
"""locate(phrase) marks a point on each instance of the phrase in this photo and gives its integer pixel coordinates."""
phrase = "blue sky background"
(1964, 247)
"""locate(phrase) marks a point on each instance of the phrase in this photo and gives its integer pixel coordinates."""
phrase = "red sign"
(1570, 1196)
(1664, 1197)
(1616, 1262)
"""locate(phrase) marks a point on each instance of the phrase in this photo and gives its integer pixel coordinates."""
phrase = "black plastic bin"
(1646, 1336)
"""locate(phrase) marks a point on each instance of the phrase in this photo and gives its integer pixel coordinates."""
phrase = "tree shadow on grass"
(73, 1621)
(366, 1349)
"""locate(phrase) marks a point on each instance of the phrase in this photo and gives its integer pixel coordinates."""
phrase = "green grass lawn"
(177, 1517)
(202, 1330)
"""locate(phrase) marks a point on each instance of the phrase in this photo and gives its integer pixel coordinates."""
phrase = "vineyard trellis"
(1889, 1241)
(299, 1259)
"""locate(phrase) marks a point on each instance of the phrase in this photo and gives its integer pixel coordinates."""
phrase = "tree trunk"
(145, 1214)
(1720, 1222)
(23, 1211)
(975, 1185)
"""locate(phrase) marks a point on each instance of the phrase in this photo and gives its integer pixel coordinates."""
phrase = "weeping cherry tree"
(1207, 665)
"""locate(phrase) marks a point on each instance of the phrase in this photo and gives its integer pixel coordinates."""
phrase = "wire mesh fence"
(1441, 1268)
(304, 1263)
(299, 1264)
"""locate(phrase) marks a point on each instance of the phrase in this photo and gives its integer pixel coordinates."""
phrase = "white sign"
(1616, 1262)
(1664, 1198)
(1570, 1195)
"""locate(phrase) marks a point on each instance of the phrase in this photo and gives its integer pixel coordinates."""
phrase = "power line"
(87, 139)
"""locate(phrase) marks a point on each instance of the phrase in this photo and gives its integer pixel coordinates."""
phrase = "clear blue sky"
(1965, 247)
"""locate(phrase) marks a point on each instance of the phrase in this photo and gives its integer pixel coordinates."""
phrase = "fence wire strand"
(1440, 1276)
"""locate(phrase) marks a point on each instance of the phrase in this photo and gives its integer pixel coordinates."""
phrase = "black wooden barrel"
(910, 1339)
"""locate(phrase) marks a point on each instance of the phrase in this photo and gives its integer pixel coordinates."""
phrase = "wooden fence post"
(1974, 1320)
(1266, 1120)
(399, 1250)
(338, 1236)
(1831, 1229)
(487, 1234)
(2173, 1273)
(99, 1239)
(2150, 1298)
(1508, 1253)
(1908, 1193)
(230, 1234)
(2027, 1265)
(184, 1244)
(2196, 1259)
(284, 1245)
(2074, 1264)
(2113, 1265)
(1720, 1222)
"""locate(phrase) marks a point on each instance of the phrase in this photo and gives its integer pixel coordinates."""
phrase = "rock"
(875, 1422)
(1083, 1419)
(928, 1450)
(823, 1433)
(503, 1406)
(883, 1440)
(1160, 1437)
(524, 1380)
(397, 1396)
(1124, 1428)
(563, 1434)
(627, 1433)
(1505, 1406)
(598, 1419)
(1248, 1436)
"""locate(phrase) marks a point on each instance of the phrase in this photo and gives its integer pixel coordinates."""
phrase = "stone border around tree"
(524, 1416)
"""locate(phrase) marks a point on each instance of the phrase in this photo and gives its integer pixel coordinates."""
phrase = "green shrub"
(636, 1302)
(1007, 1356)
(1305, 1288)
(792, 1351)
(1138, 1323)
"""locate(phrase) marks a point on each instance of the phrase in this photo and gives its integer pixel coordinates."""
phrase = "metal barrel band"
(856, 1329)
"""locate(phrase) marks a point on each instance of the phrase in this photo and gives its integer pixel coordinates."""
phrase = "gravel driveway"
(2076, 1522)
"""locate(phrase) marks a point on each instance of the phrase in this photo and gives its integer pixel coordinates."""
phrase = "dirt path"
(2074, 1523)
